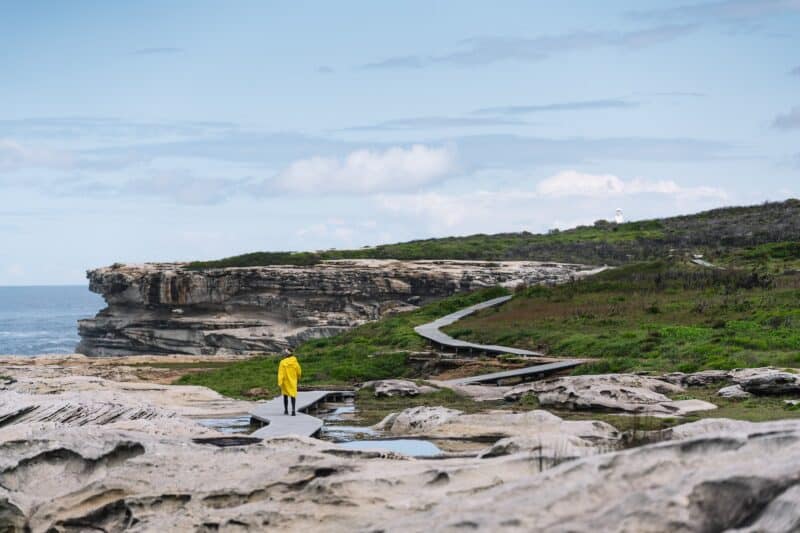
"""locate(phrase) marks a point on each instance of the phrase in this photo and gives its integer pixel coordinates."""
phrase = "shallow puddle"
(352, 437)
(229, 426)
(412, 447)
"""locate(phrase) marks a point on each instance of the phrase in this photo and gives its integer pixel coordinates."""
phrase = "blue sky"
(160, 131)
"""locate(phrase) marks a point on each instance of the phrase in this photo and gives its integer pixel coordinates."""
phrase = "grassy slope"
(660, 316)
(715, 233)
(373, 351)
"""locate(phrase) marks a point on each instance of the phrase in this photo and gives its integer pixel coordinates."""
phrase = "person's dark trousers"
(286, 404)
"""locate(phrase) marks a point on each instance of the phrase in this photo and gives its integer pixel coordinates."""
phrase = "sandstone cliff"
(164, 308)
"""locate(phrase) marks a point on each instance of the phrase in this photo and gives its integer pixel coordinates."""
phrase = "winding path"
(432, 332)
(277, 424)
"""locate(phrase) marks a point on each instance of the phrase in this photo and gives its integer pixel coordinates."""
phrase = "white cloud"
(574, 183)
(368, 171)
(14, 155)
(788, 121)
(333, 229)
(561, 201)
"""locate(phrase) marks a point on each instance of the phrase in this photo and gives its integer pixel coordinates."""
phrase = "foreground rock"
(698, 379)
(115, 480)
(626, 393)
(387, 388)
(551, 438)
(95, 396)
(143, 471)
(766, 381)
(166, 309)
(733, 392)
(758, 381)
(162, 369)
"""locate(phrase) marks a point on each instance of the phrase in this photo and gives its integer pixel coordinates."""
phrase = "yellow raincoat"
(288, 375)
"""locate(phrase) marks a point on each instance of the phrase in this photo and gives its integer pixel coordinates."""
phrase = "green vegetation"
(259, 259)
(657, 312)
(774, 256)
(375, 350)
(659, 316)
(719, 234)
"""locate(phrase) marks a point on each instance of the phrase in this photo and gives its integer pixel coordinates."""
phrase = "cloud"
(561, 106)
(573, 183)
(492, 49)
(725, 11)
(516, 151)
(399, 62)
(788, 121)
(368, 171)
(425, 123)
(109, 129)
(183, 189)
(331, 229)
(546, 204)
(166, 50)
(684, 94)
(15, 155)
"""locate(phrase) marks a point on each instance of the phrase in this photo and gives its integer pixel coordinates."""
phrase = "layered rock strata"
(165, 308)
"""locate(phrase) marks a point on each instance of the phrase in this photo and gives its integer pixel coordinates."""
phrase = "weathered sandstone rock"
(697, 379)
(761, 381)
(416, 419)
(147, 474)
(119, 480)
(609, 392)
(164, 308)
(479, 393)
(733, 392)
(392, 387)
(187, 400)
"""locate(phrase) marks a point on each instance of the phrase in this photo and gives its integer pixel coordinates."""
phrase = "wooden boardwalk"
(432, 332)
(276, 424)
(531, 372)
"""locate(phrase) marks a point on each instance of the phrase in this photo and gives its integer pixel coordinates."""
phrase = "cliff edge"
(166, 308)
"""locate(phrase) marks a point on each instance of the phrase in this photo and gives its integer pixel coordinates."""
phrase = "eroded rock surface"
(628, 393)
(759, 381)
(766, 381)
(728, 478)
(142, 471)
(166, 309)
(396, 387)
(735, 392)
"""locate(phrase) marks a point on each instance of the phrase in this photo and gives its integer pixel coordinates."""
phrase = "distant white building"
(618, 218)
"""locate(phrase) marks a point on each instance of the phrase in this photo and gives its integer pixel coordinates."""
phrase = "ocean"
(42, 320)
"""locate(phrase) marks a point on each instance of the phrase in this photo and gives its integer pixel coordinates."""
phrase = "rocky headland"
(166, 308)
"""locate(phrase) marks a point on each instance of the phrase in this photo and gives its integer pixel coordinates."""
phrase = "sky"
(171, 131)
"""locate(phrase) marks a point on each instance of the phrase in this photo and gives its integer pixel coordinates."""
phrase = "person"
(289, 372)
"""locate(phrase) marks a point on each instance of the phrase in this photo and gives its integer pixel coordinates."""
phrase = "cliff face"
(162, 308)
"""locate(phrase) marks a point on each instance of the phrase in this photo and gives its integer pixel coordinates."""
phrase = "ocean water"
(41, 320)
